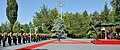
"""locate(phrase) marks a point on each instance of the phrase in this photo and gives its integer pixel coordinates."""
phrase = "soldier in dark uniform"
(9, 39)
(24, 38)
(4, 39)
(34, 37)
(39, 37)
(15, 38)
(1, 38)
(19, 38)
(28, 38)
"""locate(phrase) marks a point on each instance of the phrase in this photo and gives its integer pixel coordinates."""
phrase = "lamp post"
(61, 4)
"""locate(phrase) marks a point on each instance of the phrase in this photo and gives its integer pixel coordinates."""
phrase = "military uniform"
(9, 39)
(39, 39)
(4, 39)
(28, 38)
(36, 37)
(1, 38)
(24, 38)
(19, 38)
(32, 35)
(15, 38)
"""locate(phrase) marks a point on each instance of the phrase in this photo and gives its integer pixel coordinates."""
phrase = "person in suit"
(58, 37)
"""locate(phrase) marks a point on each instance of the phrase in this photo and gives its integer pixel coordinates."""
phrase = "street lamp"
(61, 4)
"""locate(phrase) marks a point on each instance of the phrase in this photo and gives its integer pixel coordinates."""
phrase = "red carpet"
(73, 42)
(53, 42)
(105, 41)
(36, 45)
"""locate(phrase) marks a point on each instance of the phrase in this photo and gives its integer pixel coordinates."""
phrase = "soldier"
(15, 38)
(24, 38)
(41, 36)
(32, 37)
(9, 38)
(19, 38)
(39, 39)
(28, 38)
(36, 37)
(4, 39)
(1, 38)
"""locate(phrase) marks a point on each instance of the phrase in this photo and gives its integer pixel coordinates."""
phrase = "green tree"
(41, 18)
(11, 12)
(52, 16)
(32, 27)
(116, 4)
(5, 27)
(68, 21)
(0, 29)
(58, 25)
(85, 23)
(112, 15)
(44, 19)
(105, 13)
(95, 18)
(16, 27)
(25, 28)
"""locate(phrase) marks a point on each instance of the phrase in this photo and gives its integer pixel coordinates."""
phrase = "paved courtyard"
(65, 44)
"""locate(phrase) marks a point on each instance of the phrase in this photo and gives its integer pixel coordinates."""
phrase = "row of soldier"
(21, 38)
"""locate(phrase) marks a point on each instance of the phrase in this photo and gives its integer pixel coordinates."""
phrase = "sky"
(27, 8)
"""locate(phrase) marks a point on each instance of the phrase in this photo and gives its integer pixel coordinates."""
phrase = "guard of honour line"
(21, 38)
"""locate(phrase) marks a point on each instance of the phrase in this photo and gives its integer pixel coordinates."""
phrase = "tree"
(44, 19)
(95, 18)
(68, 21)
(58, 26)
(11, 12)
(112, 15)
(85, 23)
(25, 28)
(32, 27)
(52, 16)
(116, 4)
(5, 27)
(16, 27)
(105, 13)
(0, 29)
(41, 18)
